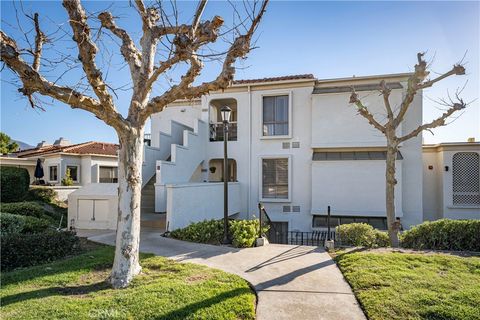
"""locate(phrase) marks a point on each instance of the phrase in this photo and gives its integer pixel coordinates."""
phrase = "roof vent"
(471, 139)
(43, 144)
(61, 142)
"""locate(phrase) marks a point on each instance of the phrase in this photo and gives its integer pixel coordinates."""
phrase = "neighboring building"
(295, 144)
(88, 162)
(451, 181)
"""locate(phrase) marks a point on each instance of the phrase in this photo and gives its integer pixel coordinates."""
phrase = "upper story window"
(275, 115)
(275, 178)
(466, 178)
(53, 173)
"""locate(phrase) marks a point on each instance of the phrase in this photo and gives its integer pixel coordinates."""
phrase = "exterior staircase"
(183, 162)
(148, 217)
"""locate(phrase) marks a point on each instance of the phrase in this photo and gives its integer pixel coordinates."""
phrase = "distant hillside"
(23, 145)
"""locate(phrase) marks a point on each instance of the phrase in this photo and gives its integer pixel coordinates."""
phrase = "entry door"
(278, 232)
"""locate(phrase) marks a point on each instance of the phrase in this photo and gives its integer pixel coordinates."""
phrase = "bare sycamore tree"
(417, 81)
(182, 42)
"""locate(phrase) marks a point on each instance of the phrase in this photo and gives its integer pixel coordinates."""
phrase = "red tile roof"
(92, 147)
(283, 78)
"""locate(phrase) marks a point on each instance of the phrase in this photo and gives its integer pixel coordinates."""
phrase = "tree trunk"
(390, 194)
(126, 264)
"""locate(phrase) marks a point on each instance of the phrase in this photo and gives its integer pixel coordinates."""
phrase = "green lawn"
(75, 289)
(413, 285)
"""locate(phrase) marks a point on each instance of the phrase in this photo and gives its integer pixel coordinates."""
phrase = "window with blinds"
(466, 178)
(275, 116)
(108, 175)
(275, 178)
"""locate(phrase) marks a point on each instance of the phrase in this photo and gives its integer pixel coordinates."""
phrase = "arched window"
(466, 178)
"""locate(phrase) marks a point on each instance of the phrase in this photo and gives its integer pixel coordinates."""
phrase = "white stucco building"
(297, 146)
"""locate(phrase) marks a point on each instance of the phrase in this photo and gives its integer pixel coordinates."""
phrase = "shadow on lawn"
(56, 291)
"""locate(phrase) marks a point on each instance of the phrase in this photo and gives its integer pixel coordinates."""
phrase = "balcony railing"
(216, 131)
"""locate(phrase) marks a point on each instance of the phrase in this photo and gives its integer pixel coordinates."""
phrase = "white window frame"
(290, 104)
(58, 173)
(78, 171)
(260, 178)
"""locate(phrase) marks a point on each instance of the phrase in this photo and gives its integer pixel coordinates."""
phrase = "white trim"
(260, 177)
(274, 93)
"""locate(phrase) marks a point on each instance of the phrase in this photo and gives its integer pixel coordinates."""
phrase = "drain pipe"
(249, 195)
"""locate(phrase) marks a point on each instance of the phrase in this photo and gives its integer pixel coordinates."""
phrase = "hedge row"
(14, 223)
(14, 182)
(242, 233)
(361, 235)
(23, 250)
(445, 234)
(31, 209)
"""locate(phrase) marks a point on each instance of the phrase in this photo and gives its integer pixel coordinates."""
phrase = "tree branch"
(363, 111)
(386, 94)
(239, 48)
(417, 82)
(128, 49)
(435, 123)
(39, 40)
(33, 82)
(87, 51)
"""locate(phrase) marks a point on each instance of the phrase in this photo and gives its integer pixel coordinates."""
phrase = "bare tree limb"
(417, 82)
(128, 49)
(34, 82)
(87, 51)
(363, 111)
(239, 48)
(440, 121)
(386, 94)
(39, 40)
(198, 14)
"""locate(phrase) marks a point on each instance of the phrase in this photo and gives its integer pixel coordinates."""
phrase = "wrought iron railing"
(216, 131)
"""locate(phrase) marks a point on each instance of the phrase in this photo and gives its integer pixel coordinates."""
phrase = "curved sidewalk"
(292, 282)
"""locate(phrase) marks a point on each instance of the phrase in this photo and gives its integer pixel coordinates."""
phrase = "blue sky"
(328, 39)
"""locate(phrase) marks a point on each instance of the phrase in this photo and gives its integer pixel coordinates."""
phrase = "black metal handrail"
(216, 131)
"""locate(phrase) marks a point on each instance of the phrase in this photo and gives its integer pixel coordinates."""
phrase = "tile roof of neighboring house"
(283, 78)
(92, 147)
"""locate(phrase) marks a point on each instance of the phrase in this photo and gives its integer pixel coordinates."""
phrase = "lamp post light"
(225, 112)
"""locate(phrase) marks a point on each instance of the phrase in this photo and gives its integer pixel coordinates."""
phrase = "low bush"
(208, 231)
(14, 223)
(22, 250)
(14, 182)
(242, 232)
(445, 234)
(382, 239)
(25, 208)
(362, 235)
(44, 194)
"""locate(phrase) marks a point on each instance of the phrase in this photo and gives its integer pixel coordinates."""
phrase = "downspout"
(249, 196)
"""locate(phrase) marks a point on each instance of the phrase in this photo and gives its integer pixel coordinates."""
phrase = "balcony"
(216, 131)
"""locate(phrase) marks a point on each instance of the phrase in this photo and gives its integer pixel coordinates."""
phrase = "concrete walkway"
(292, 282)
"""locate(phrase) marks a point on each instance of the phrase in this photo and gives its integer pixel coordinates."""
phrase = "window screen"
(275, 116)
(275, 178)
(108, 175)
(466, 178)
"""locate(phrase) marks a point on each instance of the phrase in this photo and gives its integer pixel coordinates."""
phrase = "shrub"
(207, 231)
(25, 208)
(243, 232)
(14, 223)
(444, 234)
(381, 238)
(23, 250)
(14, 182)
(362, 235)
(44, 194)
(67, 180)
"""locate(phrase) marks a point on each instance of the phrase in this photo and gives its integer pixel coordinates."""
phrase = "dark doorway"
(278, 232)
